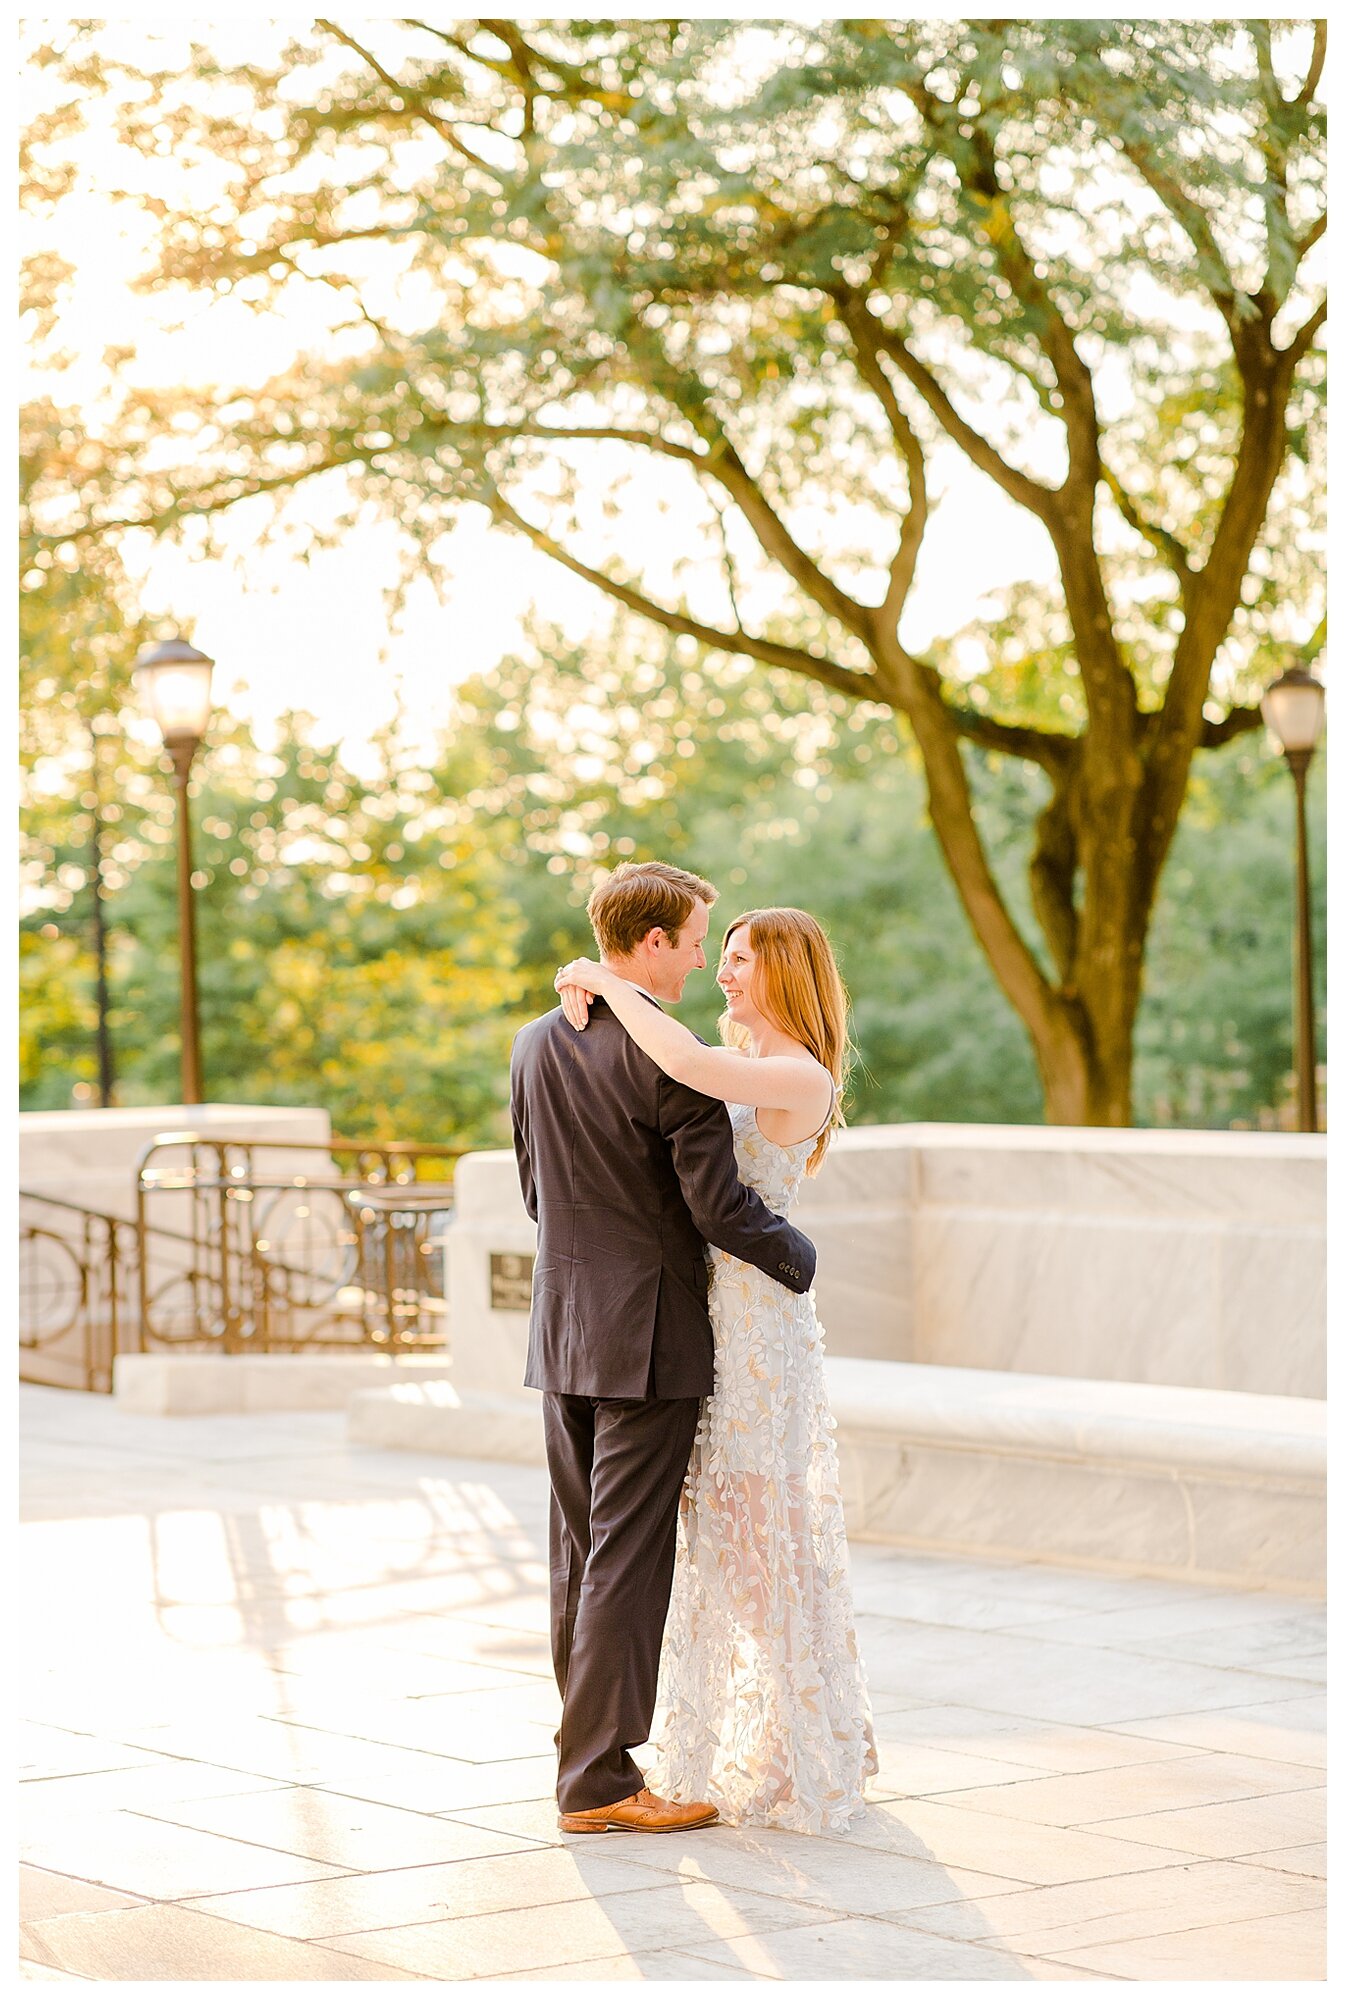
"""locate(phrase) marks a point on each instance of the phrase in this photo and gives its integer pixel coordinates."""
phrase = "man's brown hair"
(641, 896)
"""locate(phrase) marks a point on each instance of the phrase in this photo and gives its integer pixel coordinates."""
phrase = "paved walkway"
(289, 1716)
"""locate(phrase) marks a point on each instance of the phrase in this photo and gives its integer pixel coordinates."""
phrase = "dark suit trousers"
(617, 1469)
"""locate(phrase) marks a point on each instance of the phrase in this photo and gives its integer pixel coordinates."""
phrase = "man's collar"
(639, 988)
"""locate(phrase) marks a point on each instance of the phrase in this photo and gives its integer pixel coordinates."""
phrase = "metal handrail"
(413, 1150)
(101, 1287)
(233, 1277)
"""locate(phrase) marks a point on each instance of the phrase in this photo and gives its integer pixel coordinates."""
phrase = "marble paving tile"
(1058, 1586)
(1111, 1908)
(166, 1780)
(1305, 1667)
(1278, 1646)
(356, 1594)
(826, 1874)
(142, 1857)
(458, 1729)
(1039, 1677)
(524, 1879)
(929, 1602)
(1084, 1798)
(1221, 1832)
(911, 1768)
(29, 1969)
(442, 1785)
(164, 1941)
(356, 1670)
(688, 1916)
(521, 1614)
(1287, 1947)
(1135, 1622)
(1022, 1740)
(42, 1894)
(1308, 1860)
(46, 1751)
(952, 1837)
(274, 1749)
(529, 1699)
(322, 1826)
(534, 1819)
(442, 1638)
(149, 1674)
(1293, 1731)
(868, 1948)
(520, 1702)
(664, 1965)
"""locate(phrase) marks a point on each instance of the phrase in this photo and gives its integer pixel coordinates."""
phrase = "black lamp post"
(1292, 708)
(175, 680)
(106, 1078)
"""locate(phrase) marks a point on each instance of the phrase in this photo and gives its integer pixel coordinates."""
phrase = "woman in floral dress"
(762, 1706)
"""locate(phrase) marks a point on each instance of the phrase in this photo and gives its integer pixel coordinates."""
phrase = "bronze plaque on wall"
(511, 1281)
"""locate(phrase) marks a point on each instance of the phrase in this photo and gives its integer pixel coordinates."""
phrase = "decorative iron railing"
(240, 1246)
(77, 1278)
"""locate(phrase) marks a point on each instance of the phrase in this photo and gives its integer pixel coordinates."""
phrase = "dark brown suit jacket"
(628, 1176)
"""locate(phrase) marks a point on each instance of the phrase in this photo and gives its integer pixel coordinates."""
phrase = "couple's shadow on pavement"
(731, 1876)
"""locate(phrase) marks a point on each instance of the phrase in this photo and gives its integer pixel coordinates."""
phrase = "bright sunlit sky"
(317, 635)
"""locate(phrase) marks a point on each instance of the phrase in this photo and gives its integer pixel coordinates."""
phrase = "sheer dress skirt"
(762, 1705)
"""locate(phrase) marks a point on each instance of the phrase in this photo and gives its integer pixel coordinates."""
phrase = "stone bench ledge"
(1222, 1431)
(1212, 1487)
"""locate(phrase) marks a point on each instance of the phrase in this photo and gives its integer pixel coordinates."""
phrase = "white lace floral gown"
(762, 1706)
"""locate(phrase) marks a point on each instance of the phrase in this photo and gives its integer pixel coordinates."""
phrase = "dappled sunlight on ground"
(288, 1711)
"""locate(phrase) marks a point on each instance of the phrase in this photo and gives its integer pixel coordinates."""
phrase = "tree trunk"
(1063, 1064)
(1085, 1080)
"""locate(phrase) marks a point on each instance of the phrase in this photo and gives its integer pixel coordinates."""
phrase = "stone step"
(180, 1385)
(1214, 1486)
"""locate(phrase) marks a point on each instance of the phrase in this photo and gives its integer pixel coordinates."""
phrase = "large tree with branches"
(793, 266)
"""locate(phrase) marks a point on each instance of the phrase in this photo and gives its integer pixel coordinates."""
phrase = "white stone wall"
(1188, 1258)
(90, 1157)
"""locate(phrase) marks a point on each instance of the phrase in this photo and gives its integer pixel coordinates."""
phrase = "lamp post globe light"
(174, 680)
(1292, 709)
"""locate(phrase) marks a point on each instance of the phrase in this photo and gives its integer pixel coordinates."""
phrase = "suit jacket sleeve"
(518, 1114)
(726, 1212)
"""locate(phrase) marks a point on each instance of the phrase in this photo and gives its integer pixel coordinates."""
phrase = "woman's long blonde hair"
(797, 986)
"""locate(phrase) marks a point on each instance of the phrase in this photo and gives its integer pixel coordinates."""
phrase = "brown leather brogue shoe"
(643, 1812)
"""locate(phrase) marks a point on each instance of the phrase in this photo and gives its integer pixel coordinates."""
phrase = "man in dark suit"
(628, 1176)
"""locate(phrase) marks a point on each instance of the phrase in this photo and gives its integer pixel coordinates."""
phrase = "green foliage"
(372, 944)
(787, 265)
(648, 231)
(1214, 1043)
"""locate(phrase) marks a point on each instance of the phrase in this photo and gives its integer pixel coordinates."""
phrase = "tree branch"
(211, 499)
(1073, 379)
(1159, 538)
(1316, 229)
(1238, 722)
(796, 659)
(1052, 749)
(586, 434)
(902, 570)
(937, 730)
(412, 98)
(724, 464)
(1316, 61)
(1040, 500)
(1195, 224)
(1303, 340)
(1051, 881)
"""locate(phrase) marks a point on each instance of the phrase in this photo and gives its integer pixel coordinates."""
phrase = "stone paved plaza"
(288, 1713)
